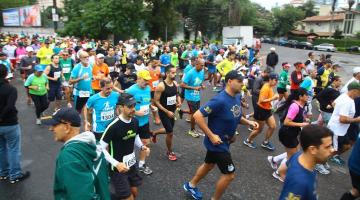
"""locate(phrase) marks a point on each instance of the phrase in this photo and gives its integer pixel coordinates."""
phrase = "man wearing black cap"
(120, 137)
(126, 79)
(81, 170)
(224, 115)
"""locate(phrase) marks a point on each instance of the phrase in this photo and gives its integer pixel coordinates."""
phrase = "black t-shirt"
(121, 137)
(326, 97)
(127, 80)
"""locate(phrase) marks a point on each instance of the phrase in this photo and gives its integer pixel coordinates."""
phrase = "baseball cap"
(39, 68)
(356, 70)
(100, 55)
(272, 49)
(353, 86)
(221, 51)
(47, 41)
(286, 64)
(273, 76)
(126, 99)
(144, 74)
(299, 64)
(233, 74)
(29, 49)
(63, 115)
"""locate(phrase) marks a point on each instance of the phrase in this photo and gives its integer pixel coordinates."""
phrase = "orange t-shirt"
(155, 78)
(266, 92)
(102, 69)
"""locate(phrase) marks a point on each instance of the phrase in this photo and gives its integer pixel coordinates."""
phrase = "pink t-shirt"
(293, 111)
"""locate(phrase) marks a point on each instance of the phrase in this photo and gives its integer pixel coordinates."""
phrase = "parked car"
(353, 49)
(268, 40)
(282, 42)
(292, 43)
(304, 45)
(325, 47)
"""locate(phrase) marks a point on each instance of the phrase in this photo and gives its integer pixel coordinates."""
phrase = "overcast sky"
(268, 4)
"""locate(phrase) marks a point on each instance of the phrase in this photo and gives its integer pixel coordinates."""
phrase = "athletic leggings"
(41, 103)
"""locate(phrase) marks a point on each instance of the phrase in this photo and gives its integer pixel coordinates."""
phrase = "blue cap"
(39, 68)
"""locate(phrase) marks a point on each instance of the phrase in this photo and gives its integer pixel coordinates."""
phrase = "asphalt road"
(253, 173)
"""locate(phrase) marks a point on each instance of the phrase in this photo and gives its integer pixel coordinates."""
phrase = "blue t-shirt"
(193, 78)
(103, 110)
(195, 53)
(224, 115)
(211, 58)
(300, 183)
(143, 101)
(165, 59)
(307, 84)
(7, 64)
(187, 68)
(83, 85)
(354, 159)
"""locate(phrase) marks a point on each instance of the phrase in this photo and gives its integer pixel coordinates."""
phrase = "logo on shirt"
(292, 196)
(236, 110)
(197, 81)
(207, 109)
(107, 106)
(231, 168)
(129, 134)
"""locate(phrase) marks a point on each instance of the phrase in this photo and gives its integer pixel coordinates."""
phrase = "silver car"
(325, 47)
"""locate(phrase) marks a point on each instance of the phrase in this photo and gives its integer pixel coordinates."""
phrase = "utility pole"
(332, 17)
(55, 16)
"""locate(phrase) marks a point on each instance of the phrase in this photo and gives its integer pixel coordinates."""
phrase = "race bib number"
(145, 109)
(111, 69)
(129, 160)
(84, 93)
(107, 115)
(66, 70)
(196, 93)
(171, 100)
(57, 74)
(155, 83)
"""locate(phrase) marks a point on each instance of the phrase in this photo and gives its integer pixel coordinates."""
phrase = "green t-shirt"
(283, 79)
(41, 82)
(67, 66)
(174, 59)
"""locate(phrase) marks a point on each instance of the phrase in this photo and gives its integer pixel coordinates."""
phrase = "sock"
(191, 185)
(279, 158)
(347, 196)
(141, 163)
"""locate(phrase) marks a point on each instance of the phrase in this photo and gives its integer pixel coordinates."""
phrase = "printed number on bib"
(107, 115)
(171, 100)
(155, 83)
(57, 74)
(196, 93)
(145, 109)
(84, 93)
(129, 160)
(66, 70)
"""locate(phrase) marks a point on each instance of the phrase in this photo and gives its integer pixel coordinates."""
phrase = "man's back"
(8, 97)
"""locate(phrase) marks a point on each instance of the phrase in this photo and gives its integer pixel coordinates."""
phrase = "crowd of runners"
(105, 95)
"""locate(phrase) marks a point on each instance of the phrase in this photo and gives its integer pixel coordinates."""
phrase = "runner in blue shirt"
(224, 115)
(142, 94)
(300, 181)
(101, 108)
(81, 77)
(193, 83)
(165, 60)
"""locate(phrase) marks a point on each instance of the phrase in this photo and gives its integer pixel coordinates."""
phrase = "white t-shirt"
(218, 58)
(345, 106)
(139, 67)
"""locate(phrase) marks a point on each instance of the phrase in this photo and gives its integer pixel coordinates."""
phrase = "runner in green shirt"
(283, 83)
(67, 64)
(174, 57)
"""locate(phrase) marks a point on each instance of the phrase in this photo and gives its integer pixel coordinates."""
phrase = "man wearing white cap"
(356, 77)
(272, 59)
(27, 64)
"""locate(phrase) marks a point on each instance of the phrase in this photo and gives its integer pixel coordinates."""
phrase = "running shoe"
(38, 121)
(194, 192)
(250, 129)
(273, 164)
(200, 133)
(181, 113)
(193, 133)
(188, 119)
(276, 175)
(22, 177)
(337, 160)
(145, 169)
(250, 144)
(172, 156)
(321, 169)
(268, 146)
(327, 166)
(2, 178)
(237, 133)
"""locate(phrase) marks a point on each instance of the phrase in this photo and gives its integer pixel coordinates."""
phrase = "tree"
(284, 19)
(100, 18)
(15, 3)
(308, 8)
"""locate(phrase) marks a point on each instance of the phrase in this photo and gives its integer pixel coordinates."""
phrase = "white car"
(325, 47)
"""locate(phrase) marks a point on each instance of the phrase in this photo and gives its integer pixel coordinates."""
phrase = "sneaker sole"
(269, 158)
(277, 177)
(249, 145)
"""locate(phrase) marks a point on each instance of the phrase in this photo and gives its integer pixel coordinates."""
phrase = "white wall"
(323, 26)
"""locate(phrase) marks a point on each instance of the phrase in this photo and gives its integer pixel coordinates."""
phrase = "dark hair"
(312, 135)
(295, 95)
(167, 69)
(3, 71)
(104, 82)
(336, 78)
(310, 53)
